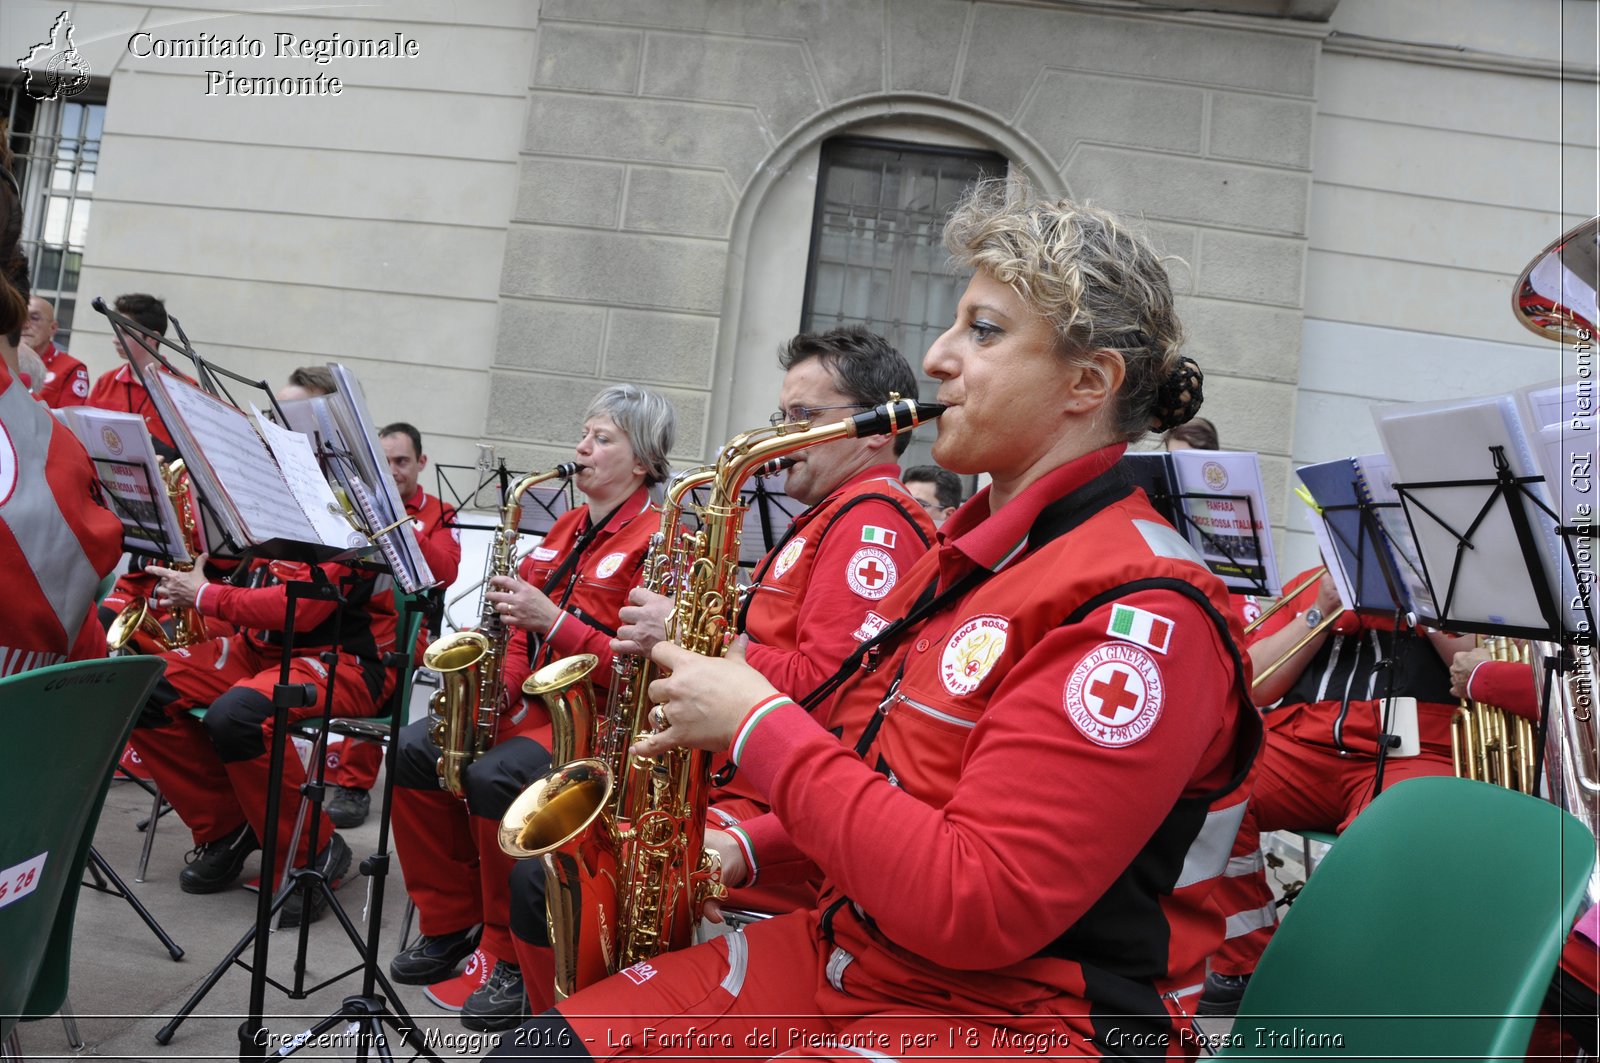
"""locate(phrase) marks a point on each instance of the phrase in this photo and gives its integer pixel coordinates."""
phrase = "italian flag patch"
(878, 536)
(1140, 626)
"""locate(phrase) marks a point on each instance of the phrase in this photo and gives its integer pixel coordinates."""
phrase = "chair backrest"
(1430, 930)
(64, 728)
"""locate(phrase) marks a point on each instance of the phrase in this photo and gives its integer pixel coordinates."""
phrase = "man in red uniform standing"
(66, 380)
(121, 388)
(816, 593)
(353, 765)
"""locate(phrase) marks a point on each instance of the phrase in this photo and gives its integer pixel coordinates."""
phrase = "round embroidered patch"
(416, 523)
(50, 377)
(80, 386)
(1114, 695)
(790, 555)
(113, 442)
(1251, 611)
(8, 465)
(871, 572)
(608, 565)
(972, 652)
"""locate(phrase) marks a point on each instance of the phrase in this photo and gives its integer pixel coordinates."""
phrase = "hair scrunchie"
(1179, 397)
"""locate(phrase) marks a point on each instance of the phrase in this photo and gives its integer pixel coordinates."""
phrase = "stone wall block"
(614, 269)
(1257, 269)
(924, 41)
(771, 75)
(1068, 108)
(1010, 44)
(552, 336)
(658, 131)
(1192, 190)
(655, 348)
(1261, 129)
(1250, 414)
(1239, 339)
(588, 58)
(568, 192)
(690, 202)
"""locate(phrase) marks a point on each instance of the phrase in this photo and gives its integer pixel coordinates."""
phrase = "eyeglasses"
(808, 413)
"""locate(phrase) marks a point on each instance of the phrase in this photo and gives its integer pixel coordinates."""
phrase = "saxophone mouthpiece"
(775, 466)
(895, 416)
(568, 469)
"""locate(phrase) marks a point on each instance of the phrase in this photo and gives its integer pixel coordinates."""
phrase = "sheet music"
(130, 470)
(1379, 475)
(1342, 582)
(1430, 442)
(244, 467)
(303, 475)
(1229, 521)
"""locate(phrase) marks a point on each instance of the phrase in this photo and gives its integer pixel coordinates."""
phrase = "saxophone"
(624, 847)
(467, 705)
(136, 626)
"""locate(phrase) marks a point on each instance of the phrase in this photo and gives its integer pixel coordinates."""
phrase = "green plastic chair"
(42, 853)
(1431, 930)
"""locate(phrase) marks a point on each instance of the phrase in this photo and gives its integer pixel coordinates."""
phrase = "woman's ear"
(1095, 380)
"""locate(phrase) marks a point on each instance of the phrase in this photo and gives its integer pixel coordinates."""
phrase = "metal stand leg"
(119, 888)
(70, 1020)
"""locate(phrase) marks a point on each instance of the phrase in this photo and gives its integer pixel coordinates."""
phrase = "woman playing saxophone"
(562, 600)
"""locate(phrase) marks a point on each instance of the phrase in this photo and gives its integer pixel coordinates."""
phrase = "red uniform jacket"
(121, 389)
(56, 538)
(590, 592)
(1053, 768)
(1315, 710)
(441, 544)
(66, 380)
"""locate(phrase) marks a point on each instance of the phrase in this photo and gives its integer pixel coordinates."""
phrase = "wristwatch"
(1313, 617)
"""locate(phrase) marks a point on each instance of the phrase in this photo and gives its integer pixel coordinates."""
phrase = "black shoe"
(433, 959)
(214, 865)
(501, 1003)
(1222, 994)
(348, 807)
(333, 862)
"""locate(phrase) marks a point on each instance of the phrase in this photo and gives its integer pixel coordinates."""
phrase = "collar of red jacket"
(635, 504)
(994, 539)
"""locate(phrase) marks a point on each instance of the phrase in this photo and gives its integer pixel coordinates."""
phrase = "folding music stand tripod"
(366, 1009)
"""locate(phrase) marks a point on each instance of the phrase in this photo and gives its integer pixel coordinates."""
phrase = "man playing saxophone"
(563, 600)
(1054, 739)
(814, 593)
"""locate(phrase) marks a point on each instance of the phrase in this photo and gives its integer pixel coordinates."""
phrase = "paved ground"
(125, 987)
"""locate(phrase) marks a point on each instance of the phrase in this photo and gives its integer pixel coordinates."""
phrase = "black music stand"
(1508, 494)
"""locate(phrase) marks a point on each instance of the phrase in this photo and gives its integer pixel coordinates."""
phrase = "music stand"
(1564, 623)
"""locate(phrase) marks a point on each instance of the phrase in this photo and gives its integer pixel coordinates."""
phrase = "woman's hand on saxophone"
(176, 588)
(521, 604)
(733, 872)
(644, 623)
(703, 700)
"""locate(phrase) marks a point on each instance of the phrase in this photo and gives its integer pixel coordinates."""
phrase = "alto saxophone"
(467, 705)
(136, 626)
(624, 848)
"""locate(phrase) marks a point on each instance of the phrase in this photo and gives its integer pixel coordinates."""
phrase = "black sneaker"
(499, 1004)
(214, 865)
(1222, 994)
(333, 862)
(433, 959)
(348, 807)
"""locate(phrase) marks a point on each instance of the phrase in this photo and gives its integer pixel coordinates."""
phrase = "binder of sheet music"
(1210, 488)
(1451, 440)
(1361, 555)
(130, 475)
(259, 481)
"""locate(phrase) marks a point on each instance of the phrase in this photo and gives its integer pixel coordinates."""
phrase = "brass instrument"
(467, 705)
(1490, 744)
(1301, 643)
(653, 824)
(1555, 298)
(136, 626)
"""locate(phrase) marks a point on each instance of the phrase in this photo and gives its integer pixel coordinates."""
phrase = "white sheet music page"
(302, 472)
(243, 466)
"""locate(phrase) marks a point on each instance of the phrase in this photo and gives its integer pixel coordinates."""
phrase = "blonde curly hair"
(1100, 284)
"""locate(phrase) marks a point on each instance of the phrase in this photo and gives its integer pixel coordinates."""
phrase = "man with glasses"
(813, 595)
(938, 490)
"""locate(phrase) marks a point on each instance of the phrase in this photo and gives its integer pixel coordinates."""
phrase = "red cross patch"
(1114, 695)
(871, 572)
